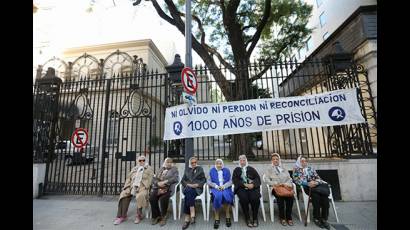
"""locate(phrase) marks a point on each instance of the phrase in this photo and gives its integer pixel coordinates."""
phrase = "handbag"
(322, 189)
(283, 191)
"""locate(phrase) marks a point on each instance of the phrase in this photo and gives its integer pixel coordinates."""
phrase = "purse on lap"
(283, 191)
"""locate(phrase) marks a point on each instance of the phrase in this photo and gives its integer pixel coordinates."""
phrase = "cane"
(307, 210)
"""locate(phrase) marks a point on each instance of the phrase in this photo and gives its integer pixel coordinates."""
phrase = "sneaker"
(318, 223)
(255, 223)
(290, 222)
(249, 223)
(155, 221)
(325, 224)
(118, 220)
(138, 219)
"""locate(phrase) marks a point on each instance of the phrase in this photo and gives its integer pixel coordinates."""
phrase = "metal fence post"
(104, 140)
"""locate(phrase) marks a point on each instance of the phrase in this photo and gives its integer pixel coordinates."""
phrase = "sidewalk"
(92, 212)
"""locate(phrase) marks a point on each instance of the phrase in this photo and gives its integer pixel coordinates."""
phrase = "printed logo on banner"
(336, 113)
(177, 128)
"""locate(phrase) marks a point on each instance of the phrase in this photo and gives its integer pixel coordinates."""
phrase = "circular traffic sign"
(189, 80)
(79, 137)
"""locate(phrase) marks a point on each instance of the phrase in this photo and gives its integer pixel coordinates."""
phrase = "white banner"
(338, 107)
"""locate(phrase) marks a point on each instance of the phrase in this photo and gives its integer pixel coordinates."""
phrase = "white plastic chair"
(200, 197)
(173, 199)
(234, 216)
(305, 201)
(236, 201)
(147, 210)
(272, 199)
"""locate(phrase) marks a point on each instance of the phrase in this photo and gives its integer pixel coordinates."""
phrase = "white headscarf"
(190, 164)
(138, 177)
(165, 171)
(246, 159)
(243, 174)
(219, 160)
(279, 167)
(220, 172)
(165, 161)
(298, 164)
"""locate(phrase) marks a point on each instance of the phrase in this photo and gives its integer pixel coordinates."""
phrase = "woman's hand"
(161, 184)
(193, 185)
(313, 184)
(289, 186)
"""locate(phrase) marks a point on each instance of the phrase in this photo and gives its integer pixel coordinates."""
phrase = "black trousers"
(284, 203)
(157, 202)
(189, 201)
(247, 197)
(320, 204)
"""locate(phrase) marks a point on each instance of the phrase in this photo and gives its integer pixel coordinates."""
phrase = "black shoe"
(318, 223)
(216, 224)
(228, 222)
(192, 220)
(325, 224)
(155, 221)
(186, 225)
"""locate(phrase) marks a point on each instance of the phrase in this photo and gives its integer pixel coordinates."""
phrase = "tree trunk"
(242, 143)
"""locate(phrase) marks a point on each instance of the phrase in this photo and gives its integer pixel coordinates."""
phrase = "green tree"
(228, 31)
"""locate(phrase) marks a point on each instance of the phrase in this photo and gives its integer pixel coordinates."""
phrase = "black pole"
(104, 140)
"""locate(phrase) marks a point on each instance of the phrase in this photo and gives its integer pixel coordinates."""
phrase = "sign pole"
(189, 142)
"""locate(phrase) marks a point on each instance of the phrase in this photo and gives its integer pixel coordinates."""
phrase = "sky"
(62, 24)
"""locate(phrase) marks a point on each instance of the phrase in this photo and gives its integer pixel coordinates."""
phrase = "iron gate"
(124, 117)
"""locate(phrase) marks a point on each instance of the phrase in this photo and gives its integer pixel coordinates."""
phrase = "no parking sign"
(189, 80)
(79, 137)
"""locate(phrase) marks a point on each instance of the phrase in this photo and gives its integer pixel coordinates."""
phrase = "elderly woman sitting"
(307, 177)
(192, 182)
(278, 176)
(247, 186)
(138, 184)
(221, 192)
(163, 187)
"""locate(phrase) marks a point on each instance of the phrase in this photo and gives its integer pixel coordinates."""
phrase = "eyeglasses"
(141, 160)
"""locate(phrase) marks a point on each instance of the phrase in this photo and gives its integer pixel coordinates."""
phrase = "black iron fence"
(124, 118)
(283, 79)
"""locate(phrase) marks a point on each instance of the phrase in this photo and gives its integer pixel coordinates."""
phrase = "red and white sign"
(79, 137)
(189, 80)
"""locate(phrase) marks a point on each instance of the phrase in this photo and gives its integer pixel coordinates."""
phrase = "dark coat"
(194, 176)
(172, 176)
(251, 173)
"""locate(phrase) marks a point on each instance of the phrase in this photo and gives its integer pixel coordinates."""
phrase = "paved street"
(91, 212)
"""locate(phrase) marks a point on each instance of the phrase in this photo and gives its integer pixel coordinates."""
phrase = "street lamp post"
(189, 142)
